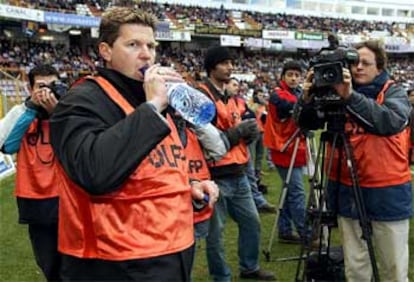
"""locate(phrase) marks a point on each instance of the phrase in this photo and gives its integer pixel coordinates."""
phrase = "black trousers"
(44, 244)
(173, 267)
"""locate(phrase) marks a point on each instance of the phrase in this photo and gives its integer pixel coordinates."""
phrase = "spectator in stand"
(25, 130)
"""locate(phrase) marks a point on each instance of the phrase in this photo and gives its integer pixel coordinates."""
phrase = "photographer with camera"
(280, 127)
(376, 114)
(26, 131)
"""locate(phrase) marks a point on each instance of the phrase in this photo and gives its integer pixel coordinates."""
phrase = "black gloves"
(246, 130)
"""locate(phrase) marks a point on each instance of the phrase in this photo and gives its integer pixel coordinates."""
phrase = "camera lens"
(329, 75)
(58, 88)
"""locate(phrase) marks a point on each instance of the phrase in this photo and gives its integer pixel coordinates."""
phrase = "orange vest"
(149, 215)
(241, 104)
(259, 112)
(36, 166)
(197, 169)
(278, 132)
(380, 161)
(228, 115)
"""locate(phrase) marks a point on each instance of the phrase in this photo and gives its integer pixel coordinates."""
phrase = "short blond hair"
(115, 17)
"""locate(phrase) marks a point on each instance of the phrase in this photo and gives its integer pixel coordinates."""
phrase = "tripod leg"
(282, 199)
(364, 222)
(316, 207)
(312, 202)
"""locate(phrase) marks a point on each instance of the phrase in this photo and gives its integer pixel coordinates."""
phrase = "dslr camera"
(57, 87)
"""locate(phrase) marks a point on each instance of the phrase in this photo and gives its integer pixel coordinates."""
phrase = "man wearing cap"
(229, 173)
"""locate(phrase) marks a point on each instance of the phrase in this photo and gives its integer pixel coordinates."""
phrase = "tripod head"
(335, 122)
(298, 132)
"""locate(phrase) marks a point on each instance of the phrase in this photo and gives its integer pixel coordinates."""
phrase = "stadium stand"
(73, 59)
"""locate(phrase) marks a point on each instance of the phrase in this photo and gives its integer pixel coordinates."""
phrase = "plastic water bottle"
(194, 106)
(191, 104)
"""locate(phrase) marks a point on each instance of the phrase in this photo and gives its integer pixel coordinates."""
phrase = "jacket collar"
(132, 90)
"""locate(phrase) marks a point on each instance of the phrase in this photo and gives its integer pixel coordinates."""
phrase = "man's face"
(232, 87)
(292, 78)
(260, 97)
(133, 49)
(365, 71)
(222, 71)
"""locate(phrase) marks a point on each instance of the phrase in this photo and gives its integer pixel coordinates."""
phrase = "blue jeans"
(201, 229)
(256, 152)
(258, 197)
(236, 200)
(294, 207)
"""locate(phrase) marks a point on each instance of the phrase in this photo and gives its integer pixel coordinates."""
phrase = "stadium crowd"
(186, 15)
(135, 86)
(266, 67)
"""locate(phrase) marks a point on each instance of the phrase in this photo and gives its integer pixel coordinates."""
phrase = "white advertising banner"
(252, 42)
(349, 39)
(21, 13)
(278, 34)
(173, 35)
(230, 40)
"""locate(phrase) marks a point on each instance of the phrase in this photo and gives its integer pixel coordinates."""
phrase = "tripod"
(317, 217)
(310, 152)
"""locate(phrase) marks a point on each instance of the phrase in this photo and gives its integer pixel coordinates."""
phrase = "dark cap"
(216, 55)
(291, 65)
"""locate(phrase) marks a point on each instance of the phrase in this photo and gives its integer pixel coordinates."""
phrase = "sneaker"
(267, 208)
(260, 275)
(290, 239)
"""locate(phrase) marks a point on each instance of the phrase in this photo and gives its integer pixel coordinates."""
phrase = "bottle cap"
(143, 69)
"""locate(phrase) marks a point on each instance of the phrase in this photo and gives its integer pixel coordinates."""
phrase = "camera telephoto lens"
(327, 74)
(330, 75)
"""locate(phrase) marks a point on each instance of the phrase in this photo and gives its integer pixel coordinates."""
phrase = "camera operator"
(25, 130)
(376, 124)
(280, 127)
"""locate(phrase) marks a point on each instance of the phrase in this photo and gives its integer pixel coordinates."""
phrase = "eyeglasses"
(364, 63)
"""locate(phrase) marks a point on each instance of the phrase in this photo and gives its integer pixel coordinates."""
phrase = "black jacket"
(97, 145)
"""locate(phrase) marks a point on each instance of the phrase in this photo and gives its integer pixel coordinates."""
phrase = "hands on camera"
(344, 89)
(45, 97)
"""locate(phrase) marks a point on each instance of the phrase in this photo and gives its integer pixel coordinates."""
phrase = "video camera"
(57, 87)
(328, 64)
(328, 67)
